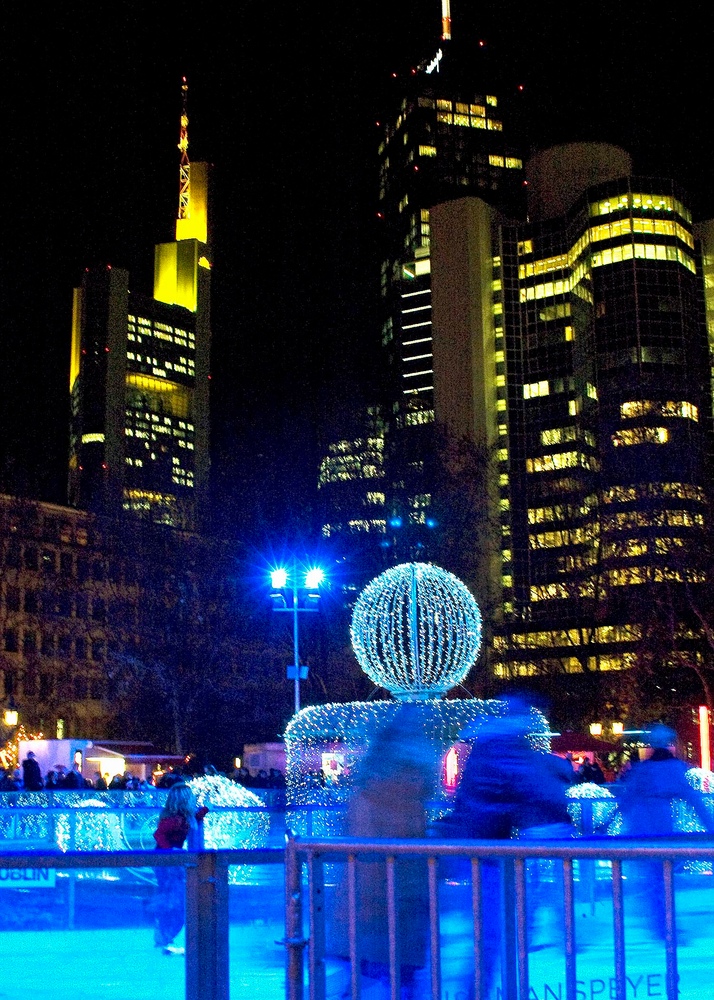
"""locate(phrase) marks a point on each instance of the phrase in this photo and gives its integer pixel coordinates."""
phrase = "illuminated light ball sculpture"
(416, 631)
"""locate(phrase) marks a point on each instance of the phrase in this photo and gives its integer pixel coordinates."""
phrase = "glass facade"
(444, 140)
(604, 358)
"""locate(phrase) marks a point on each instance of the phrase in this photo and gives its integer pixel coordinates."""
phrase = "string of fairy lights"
(416, 631)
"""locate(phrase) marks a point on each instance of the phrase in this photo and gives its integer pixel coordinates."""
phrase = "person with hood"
(651, 792)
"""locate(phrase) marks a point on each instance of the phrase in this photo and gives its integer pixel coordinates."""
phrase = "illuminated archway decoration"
(416, 631)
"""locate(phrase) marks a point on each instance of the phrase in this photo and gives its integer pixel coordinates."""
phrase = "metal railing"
(308, 860)
(207, 882)
(313, 868)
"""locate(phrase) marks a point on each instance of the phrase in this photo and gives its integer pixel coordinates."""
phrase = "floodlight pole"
(293, 589)
(296, 653)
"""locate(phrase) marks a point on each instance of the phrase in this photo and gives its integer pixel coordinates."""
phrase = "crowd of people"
(508, 789)
(29, 778)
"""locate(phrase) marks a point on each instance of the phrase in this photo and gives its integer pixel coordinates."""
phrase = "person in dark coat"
(31, 773)
(73, 779)
(511, 789)
(650, 794)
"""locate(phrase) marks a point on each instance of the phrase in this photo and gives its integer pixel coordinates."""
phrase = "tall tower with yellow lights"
(139, 374)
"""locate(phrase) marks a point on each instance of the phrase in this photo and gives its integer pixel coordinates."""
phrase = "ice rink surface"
(122, 963)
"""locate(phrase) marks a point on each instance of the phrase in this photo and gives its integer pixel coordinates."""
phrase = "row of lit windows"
(657, 519)
(534, 389)
(630, 548)
(444, 104)
(356, 526)
(570, 637)
(640, 435)
(646, 202)
(642, 251)
(630, 575)
(627, 494)
(559, 512)
(561, 460)
(644, 407)
(568, 664)
(418, 418)
(615, 254)
(558, 435)
(596, 234)
(162, 331)
(347, 469)
(567, 536)
(549, 592)
(145, 418)
(622, 227)
(469, 121)
(509, 162)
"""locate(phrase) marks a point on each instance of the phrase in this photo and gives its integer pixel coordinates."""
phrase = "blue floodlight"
(313, 578)
(395, 522)
(279, 579)
(431, 522)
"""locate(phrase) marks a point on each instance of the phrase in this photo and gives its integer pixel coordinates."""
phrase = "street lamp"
(288, 596)
(11, 716)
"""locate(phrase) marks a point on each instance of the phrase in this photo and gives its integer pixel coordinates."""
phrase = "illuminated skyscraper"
(443, 138)
(139, 378)
(575, 348)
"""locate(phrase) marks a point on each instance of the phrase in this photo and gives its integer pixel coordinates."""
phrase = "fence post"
(294, 939)
(509, 933)
(207, 927)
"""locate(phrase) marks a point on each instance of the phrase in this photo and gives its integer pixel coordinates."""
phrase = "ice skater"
(179, 818)
(650, 793)
(394, 782)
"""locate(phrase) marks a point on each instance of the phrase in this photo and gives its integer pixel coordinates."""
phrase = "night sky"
(284, 105)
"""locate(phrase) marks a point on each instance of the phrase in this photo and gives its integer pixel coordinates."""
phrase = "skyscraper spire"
(446, 20)
(184, 209)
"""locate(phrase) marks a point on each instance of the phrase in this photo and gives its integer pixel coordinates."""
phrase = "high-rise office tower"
(139, 378)
(574, 346)
(443, 138)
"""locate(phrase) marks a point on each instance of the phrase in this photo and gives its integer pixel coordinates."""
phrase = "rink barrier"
(305, 862)
(207, 951)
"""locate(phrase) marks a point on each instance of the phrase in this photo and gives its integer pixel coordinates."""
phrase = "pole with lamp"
(290, 598)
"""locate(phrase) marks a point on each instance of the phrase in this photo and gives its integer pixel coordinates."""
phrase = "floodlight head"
(278, 579)
(314, 577)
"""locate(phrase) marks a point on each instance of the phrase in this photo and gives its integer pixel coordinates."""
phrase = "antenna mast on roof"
(446, 20)
(185, 166)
